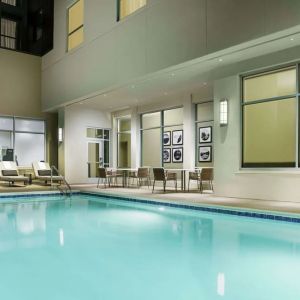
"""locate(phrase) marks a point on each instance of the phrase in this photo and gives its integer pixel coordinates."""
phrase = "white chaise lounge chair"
(9, 173)
(42, 172)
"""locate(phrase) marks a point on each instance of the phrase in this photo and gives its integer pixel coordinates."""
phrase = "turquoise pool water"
(90, 248)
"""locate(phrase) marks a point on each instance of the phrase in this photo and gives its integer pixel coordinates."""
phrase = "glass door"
(98, 156)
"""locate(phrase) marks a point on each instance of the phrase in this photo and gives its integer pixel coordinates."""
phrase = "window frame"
(161, 126)
(76, 29)
(16, 38)
(119, 18)
(257, 73)
(129, 132)
(197, 122)
(14, 131)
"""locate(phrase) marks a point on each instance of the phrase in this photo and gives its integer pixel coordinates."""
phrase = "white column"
(135, 139)
(114, 142)
(189, 132)
(61, 145)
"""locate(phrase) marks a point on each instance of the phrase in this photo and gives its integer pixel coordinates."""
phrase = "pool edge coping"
(225, 210)
(242, 212)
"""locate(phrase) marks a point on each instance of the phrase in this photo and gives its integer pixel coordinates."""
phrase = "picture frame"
(177, 137)
(167, 138)
(205, 135)
(167, 155)
(205, 154)
(177, 155)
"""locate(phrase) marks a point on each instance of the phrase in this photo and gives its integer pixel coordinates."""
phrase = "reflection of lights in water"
(221, 284)
(30, 218)
(161, 208)
(61, 237)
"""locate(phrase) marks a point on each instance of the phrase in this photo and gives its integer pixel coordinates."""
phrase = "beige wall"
(162, 34)
(20, 86)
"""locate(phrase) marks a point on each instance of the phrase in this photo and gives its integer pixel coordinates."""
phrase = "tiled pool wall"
(233, 212)
(220, 210)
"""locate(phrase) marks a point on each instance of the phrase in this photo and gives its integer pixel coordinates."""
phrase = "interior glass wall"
(204, 134)
(127, 7)
(22, 140)
(270, 119)
(124, 142)
(173, 131)
(162, 139)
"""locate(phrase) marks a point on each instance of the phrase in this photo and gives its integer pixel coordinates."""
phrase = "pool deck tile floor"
(193, 197)
(196, 198)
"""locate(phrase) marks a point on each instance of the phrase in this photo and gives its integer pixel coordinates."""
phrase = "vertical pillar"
(189, 132)
(135, 139)
(61, 145)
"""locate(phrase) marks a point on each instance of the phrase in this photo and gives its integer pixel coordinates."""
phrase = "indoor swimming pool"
(87, 247)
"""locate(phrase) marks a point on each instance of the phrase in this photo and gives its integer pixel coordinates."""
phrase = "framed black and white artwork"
(167, 155)
(177, 155)
(177, 137)
(167, 138)
(205, 153)
(205, 135)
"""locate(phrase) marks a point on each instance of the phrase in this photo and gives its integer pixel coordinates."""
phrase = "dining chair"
(195, 176)
(142, 174)
(106, 176)
(161, 175)
(207, 176)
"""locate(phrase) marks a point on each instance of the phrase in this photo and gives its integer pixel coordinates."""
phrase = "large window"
(269, 107)
(75, 24)
(204, 134)
(124, 142)
(162, 138)
(25, 136)
(8, 33)
(127, 7)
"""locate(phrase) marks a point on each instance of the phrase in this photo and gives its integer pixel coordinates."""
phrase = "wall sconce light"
(60, 135)
(224, 112)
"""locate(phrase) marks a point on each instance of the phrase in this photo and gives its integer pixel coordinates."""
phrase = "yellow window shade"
(76, 13)
(128, 7)
(75, 39)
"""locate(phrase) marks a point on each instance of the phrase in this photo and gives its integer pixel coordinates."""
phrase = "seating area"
(157, 178)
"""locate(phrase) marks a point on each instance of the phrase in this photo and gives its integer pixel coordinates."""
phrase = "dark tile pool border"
(33, 195)
(232, 212)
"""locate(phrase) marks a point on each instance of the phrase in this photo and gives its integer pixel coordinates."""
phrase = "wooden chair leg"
(153, 186)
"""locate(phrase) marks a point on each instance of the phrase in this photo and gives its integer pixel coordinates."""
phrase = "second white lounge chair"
(43, 172)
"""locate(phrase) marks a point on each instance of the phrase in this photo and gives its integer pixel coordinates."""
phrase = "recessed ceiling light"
(104, 95)
(291, 39)
(173, 74)
(220, 59)
(80, 103)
